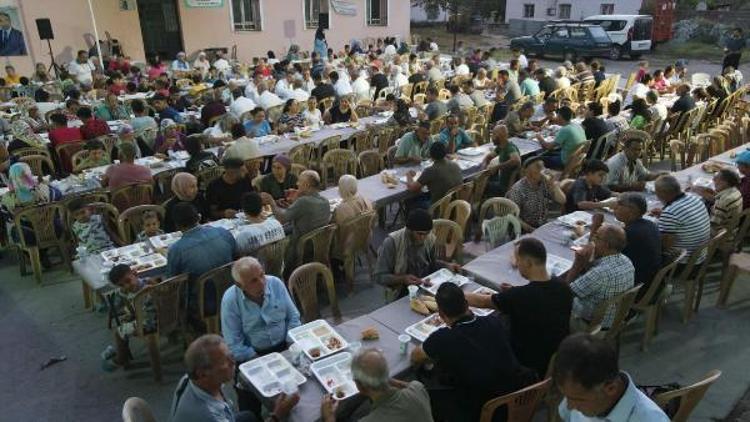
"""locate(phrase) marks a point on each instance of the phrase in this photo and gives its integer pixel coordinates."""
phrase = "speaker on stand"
(44, 27)
(323, 21)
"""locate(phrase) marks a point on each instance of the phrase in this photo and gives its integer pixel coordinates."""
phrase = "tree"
(457, 8)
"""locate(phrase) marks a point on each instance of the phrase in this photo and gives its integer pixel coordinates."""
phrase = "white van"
(630, 34)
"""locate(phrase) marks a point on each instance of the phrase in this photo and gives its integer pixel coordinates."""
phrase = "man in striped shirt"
(683, 222)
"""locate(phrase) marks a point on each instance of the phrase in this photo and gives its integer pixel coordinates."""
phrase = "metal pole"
(96, 35)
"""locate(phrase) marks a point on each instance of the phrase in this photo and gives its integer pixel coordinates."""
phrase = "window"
(528, 10)
(377, 12)
(313, 9)
(578, 32)
(610, 25)
(564, 11)
(246, 15)
(607, 9)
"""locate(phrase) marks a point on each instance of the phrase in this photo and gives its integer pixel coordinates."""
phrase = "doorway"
(160, 27)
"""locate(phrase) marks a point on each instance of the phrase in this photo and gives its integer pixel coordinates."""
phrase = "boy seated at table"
(97, 155)
(89, 228)
(150, 226)
(123, 313)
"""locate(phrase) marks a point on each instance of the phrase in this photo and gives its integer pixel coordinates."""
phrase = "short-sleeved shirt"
(580, 191)
(127, 174)
(624, 172)
(687, 219)
(224, 196)
(529, 87)
(533, 201)
(408, 404)
(410, 146)
(252, 236)
(462, 140)
(568, 139)
(92, 234)
(539, 315)
(504, 154)
(194, 405)
(441, 177)
(308, 213)
(255, 130)
(608, 277)
(476, 354)
(644, 250)
(514, 123)
(200, 250)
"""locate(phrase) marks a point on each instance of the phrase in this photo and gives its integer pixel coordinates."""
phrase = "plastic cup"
(355, 346)
(403, 341)
(413, 291)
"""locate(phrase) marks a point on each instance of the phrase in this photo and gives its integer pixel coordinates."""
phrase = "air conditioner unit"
(552, 11)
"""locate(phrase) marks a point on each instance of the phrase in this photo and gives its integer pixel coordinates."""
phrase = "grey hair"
(347, 186)
(561, 71)
(634, 201)
(370, 369)
(314, 177)
(614, 236)
(668, 184)
(198, 354)
(243, 264)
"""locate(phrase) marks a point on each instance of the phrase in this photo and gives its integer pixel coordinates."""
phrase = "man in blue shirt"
(594, 388)
(453, 136)
(201, 249)
(166, 111)
(180, 64)
(256, 312)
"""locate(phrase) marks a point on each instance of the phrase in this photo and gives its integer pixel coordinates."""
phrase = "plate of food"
(577, 218)
(318, 339)
(164, 241)
(470, 151)
(442, 276)
(270, 373)
(422, 329)
(335, 375)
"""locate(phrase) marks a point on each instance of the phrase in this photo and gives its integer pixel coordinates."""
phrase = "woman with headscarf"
(201, 64)
(24, 136)
(321, 46)
(293, 53)
(279, 180)
(185, 188)
(170, 138)
(352, 205)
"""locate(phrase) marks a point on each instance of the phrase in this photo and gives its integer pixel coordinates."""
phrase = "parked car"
(569, 41)
(631, 34)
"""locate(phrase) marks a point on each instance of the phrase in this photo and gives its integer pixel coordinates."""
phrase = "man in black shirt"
(378, 80)
(588, 190)
(685, 102)
(547, 84)
(473, 356)
(224, 194)
(417, 77)
(644, 241)
(322, 89)
(594, 125)
(539, 312)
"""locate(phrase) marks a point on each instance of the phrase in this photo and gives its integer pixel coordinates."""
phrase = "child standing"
(642, 70)
(151, 226)
(89, 228)
(123, 312)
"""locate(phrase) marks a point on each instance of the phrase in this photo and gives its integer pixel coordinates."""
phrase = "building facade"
(546, 10)
(144, 27)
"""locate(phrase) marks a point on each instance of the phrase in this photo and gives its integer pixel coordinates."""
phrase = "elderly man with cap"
(743, 165)
(408, 255)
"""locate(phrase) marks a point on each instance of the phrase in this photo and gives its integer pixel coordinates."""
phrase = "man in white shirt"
(180, 64)
(308, 84)
(240, 104)
(398, 79)
(342, 87)
(284, 86)
(360, 86)
(433, 71)
(523, 62)
(299, 94)
(251, 89)
(222, 64)
(461, 68)
(266, 98)
(434, 46)
(81, 68)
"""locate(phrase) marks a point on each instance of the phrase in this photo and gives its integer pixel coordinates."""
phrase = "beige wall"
(73, 30)
(205, 28)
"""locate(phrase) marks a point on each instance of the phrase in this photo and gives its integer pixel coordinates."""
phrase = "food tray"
(335, 375)
(574, 217)
(149, 262)
(149, 161)
(557, 265)
(269, 373)
(470, 151)
(164, 241)
(482, 311)
(316, 335)
(224, 223)
(441, 276)
(126, 254)
(425, 327)
(416, 177)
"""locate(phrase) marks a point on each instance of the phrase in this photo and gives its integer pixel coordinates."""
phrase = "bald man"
(392, 400)
(608, 275)
(508, 161)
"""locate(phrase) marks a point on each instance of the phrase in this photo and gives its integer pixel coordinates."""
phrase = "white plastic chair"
(136, 409)
(497, 230)
(700, 79)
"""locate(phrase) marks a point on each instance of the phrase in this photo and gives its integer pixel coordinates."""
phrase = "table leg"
(87, 293)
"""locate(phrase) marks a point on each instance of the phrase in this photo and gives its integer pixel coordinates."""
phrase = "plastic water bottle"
(108, 353)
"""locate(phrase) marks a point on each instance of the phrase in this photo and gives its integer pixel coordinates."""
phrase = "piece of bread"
(419, 307)
(430, 303)
(370, 333)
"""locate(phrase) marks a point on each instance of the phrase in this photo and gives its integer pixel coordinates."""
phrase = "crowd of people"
(165, 109)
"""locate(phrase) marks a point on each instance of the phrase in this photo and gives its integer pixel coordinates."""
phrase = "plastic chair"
(353, 237)
(370, 163)
(498, 230)
(302, 154)
(499, 207)
(336, 163)
(689, 396)
(360, 141)
(521, 404)
(459, 211)
(38, 164)
(320, 239)
(652, 300)
(449, 240)
(40, 220)
(24, 152)
(65, 153)
(272, 257)
(622, 304)
(694, 281)
(303, 285)
(439, 207)
(130, 221)
(219, 279)
(135, 409)
(208, 175)
(129, 196)
(170, 315)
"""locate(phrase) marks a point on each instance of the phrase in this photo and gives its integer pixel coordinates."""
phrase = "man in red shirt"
(60, 134)
(92, 127)
(126, 172)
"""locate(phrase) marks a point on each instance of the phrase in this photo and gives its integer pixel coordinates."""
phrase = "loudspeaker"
(44, 26)
(323, 20)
